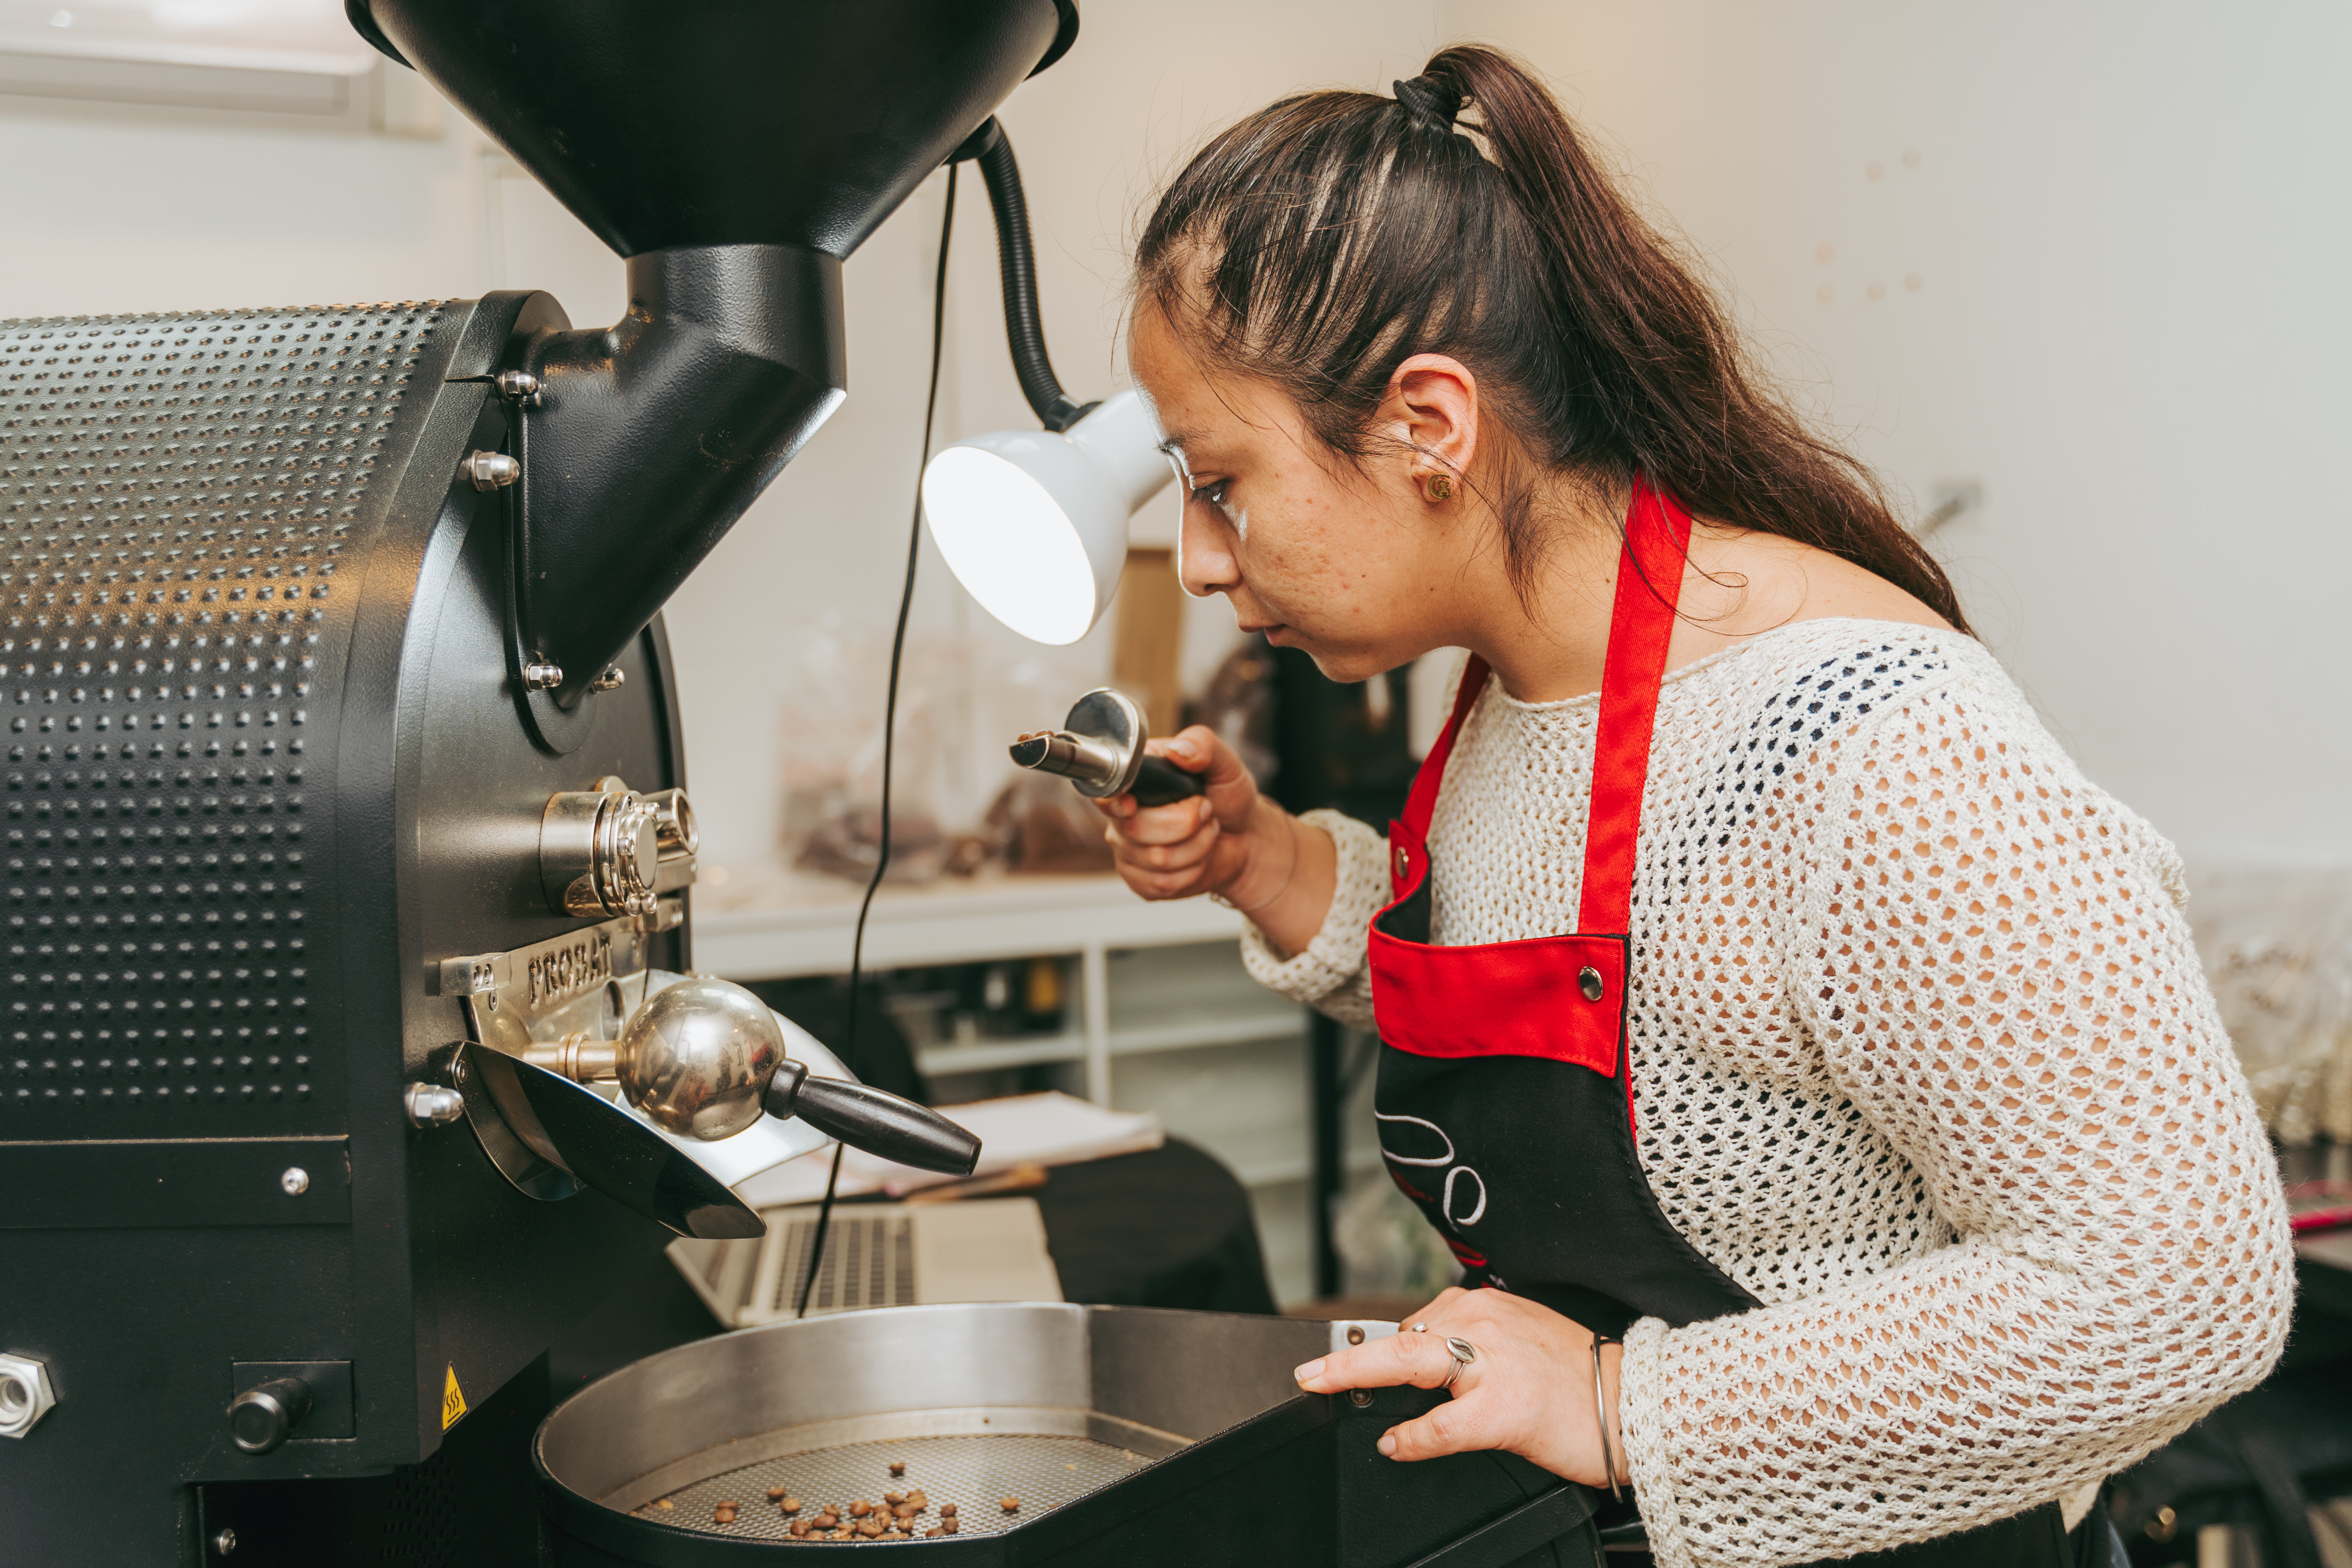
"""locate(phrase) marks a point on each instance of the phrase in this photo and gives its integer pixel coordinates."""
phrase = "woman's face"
(1349, 562)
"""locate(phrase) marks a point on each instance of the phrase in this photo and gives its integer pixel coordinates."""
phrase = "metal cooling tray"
(1127, 1435)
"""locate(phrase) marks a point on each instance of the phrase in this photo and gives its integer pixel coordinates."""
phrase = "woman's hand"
(1209, 843)
(1230, 841)
(1529, 1392)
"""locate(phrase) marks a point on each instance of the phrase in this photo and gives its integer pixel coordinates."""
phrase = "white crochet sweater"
(1976, 1139)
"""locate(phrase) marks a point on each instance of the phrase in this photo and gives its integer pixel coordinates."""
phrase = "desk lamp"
(1034, 523)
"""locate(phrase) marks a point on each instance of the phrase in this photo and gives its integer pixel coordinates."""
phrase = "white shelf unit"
(1167, 1019)
(780, 924)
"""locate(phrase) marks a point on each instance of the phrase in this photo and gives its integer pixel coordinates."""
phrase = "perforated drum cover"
(177, 495)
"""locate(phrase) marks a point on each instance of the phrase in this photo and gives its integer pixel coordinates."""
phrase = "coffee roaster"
(345, 790)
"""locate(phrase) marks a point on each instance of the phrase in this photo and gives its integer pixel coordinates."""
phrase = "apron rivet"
(1403, 860)
(1588, 980)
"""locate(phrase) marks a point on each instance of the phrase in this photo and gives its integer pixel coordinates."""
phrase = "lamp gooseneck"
(1017, 260)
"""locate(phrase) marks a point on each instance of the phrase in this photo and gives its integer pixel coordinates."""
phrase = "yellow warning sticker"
(453, 1400)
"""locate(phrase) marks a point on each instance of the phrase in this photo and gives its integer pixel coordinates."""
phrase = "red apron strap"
(1422, 801)
(1649, 584)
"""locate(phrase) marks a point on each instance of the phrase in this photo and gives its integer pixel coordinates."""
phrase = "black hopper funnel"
(735, 152)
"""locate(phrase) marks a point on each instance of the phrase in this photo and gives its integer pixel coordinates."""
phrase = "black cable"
(889, 731)
(1024, 329)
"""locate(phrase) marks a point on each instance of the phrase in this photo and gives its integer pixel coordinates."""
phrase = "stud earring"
(1438, 487)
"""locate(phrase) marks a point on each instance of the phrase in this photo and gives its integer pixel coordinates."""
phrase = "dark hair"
(1328, 237)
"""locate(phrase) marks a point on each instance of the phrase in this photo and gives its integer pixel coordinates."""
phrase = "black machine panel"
(268, 763)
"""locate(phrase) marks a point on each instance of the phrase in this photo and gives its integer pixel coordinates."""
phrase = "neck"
(1553, 642)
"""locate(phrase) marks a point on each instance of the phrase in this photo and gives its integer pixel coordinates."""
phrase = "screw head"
(491, 470)
(225, 1542)
(433, 1105)
(1359, 1397)
(296, 1181)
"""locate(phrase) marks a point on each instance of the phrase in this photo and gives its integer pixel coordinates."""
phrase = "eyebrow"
(1174, 446)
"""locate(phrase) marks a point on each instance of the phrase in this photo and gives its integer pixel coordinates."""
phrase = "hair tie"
(1432, 101)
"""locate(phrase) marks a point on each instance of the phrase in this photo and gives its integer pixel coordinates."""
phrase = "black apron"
(1505, 1099)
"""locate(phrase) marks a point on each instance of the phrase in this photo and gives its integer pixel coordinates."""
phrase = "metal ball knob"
(697, 1059)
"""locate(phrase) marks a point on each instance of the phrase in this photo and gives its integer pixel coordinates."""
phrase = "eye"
(1213, 494)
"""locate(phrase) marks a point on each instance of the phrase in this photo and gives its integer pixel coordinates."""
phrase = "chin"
(1347, 667)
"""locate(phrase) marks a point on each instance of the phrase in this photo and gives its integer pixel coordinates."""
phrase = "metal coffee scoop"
(1099, 748)
(705, 1059)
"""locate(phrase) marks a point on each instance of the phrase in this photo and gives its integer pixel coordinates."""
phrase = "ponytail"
(1320, 243)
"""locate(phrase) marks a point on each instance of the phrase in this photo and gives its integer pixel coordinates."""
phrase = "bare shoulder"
(1742, 583)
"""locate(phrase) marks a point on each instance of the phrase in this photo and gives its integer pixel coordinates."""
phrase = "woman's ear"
(1431, 411)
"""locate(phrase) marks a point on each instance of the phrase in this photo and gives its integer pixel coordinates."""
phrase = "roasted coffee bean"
(775, 1493)
(898, 1467)
(906, 1510)
(800, 1527)
(860, 1509)
(946, 1511)
(894, 1498)
(935, 1529)
(790, 1504)
(1013, 1505)
(870, 1528)
(664, 1503)
(950, 1524)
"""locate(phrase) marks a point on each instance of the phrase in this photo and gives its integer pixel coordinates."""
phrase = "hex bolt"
(611, 681)
(491, 470)
(540, 676)
(433, 1105)
(296, 1181)
(519, 387)
(25, 1394)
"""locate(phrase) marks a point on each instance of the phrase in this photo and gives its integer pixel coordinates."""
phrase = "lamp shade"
(1034, 524)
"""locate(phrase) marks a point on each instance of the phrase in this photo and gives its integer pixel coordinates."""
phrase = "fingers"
(1421, 1360)
(1472, 1419)
(1170, 823)
(1227, 783)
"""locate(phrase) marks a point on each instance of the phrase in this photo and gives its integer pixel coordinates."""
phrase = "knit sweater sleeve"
(1332, 974)
(1990, 955)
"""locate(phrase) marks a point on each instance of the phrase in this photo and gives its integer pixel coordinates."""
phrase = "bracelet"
(1600, 1414)
(1287, 876)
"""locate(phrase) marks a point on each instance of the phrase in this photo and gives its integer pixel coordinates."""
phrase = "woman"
(1809, 1062)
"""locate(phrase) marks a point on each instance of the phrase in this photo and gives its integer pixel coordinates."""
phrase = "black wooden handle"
(1161, 782)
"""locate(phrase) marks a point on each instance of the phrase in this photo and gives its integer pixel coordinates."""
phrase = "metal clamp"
(610, 851)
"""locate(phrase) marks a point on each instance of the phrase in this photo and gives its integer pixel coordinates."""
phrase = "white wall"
(2129, 223)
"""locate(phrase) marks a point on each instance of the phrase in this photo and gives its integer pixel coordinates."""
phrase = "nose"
(1205, 563)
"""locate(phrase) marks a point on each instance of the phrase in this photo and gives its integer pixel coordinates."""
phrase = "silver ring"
(1463, 1352)
(1417, 1329)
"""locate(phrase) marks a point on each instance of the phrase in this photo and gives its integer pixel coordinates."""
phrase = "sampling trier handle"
(1158, 781)
(873, 1120)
